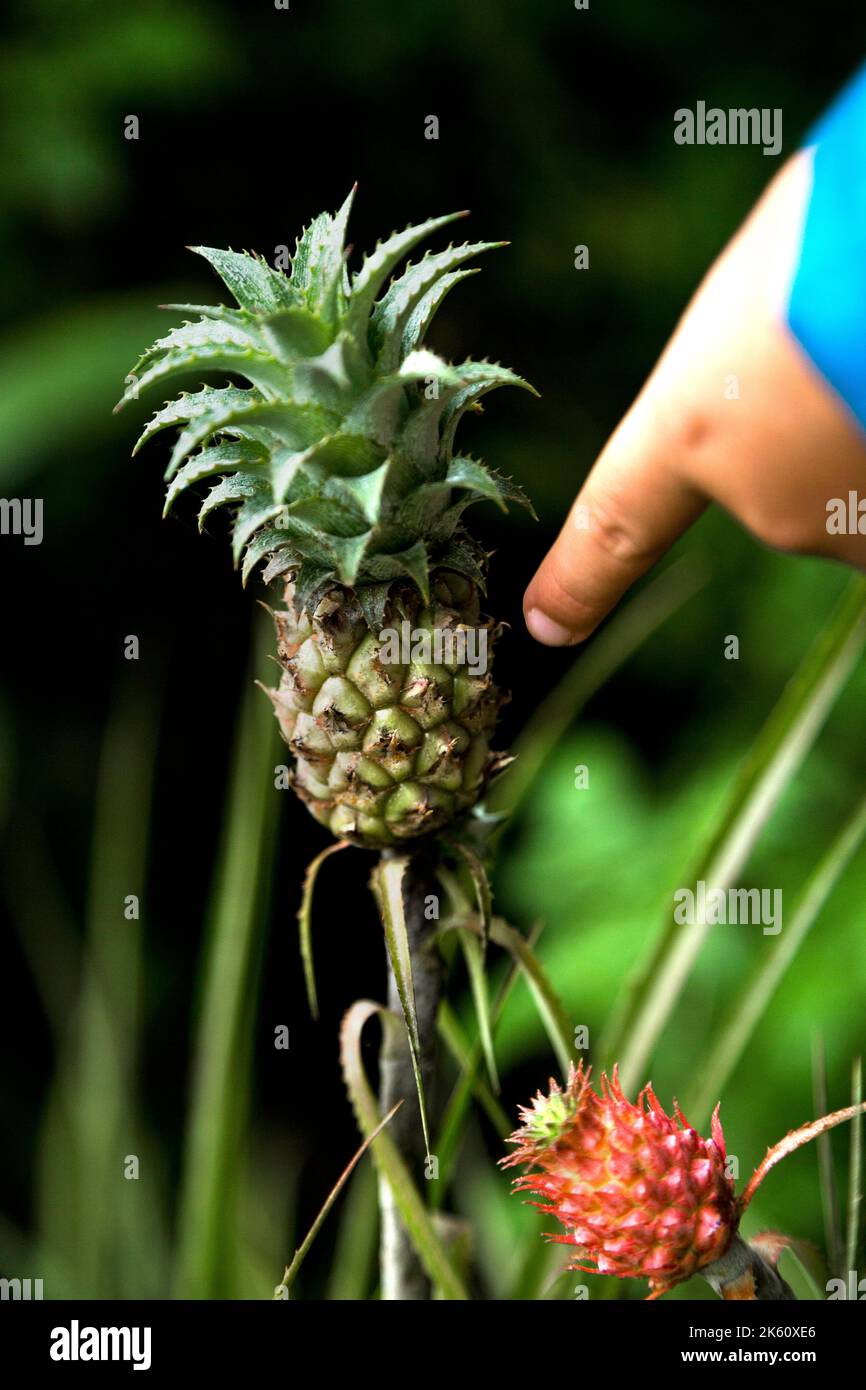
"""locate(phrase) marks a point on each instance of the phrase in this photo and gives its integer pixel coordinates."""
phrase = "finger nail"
(546, 630)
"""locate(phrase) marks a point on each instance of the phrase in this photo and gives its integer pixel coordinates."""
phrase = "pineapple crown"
(338, 457)
(640, 1192)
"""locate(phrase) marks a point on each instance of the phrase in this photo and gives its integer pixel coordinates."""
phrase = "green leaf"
(193, 406)
(221, 312)
(373, 599)
(381, 410)
(206, 333)
(410, 1205)
(267, 541)
(258, 367)
(387, 884)
(855, 1169)
(239, 487)
(364, 492)
(733, 1034)
(480, 378)
(254, 514)
(478, 478)
(418, 323)
(546, 1000)
(294, 333)
(348, 553)
(771, 764)
(391, 315)
(474, 957)
(284, 1288)
(379, 265)
(254, 284)
(412, 562)
(305, 921)
(233, 947)
(550, 1010)
(317, 265)
(253, 418)
(222, 458)
(480, 884)
(469, 1060)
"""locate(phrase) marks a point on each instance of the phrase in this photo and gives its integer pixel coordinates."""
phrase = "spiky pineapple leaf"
(381, 410)
(380, 264)
(412, 562)
(394, 309)
(222, 458)
(486, 482)
(421, 317)
(191, 406)
(256, 512)
(295, 333)
(317, 265)
(239, 487)
(257, 366)
(255, 285)
(266, 542)
(281, 421)
(479, 378)
(280, 562)
(220, 312)
(373, 599)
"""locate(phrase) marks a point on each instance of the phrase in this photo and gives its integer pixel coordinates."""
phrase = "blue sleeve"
(827, 305)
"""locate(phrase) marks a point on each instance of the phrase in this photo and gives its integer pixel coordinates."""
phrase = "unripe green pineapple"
(338, 462)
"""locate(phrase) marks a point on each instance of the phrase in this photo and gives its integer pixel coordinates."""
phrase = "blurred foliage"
(556, 130)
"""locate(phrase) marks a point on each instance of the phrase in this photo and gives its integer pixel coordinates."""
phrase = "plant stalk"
(402, 1276)
(744, 1274)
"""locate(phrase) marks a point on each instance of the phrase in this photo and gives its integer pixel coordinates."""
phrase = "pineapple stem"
(402, 1275)
(743, 1273)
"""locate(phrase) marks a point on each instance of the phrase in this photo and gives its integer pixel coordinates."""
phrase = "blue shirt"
(827, 305)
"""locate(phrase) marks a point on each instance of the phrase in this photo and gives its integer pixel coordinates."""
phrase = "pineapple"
(338, 461)
(643, 1196)
(639, 1192)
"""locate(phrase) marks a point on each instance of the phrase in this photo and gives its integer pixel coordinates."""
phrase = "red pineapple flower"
(642, 1195)
(639, 1192)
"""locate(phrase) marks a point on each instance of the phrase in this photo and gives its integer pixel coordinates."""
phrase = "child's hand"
(733, 413)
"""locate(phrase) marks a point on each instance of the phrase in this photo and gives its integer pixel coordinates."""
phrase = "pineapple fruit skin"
(640, 1193)
(385, 751)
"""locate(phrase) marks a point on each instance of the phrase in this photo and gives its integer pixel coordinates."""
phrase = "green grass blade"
(772, 762)
(352, 1274)
(827, 1179)
(473, 953)
(468, 1083)
(220, 1083)
(734, 1034)
(387, 882)
(284, 1288)
(547, 1001)
(463, 1053)
(97, 1087)
(413, 1213)
(855, 1170)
